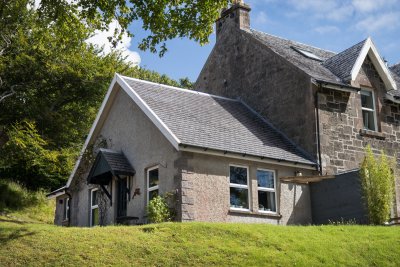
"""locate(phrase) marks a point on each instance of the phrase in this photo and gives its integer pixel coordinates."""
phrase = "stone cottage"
(274, 133)
(338, 102)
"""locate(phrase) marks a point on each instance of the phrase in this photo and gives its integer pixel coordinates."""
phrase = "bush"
(158, 210)
(16, 200)
(377, 180)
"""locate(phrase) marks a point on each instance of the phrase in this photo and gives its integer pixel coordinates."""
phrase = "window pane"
(153, 178)
(265, 179)
(239, 198)
(266, 201)
(94, 198)
(238, 175)
(153, 194)
(369, 120)
(95, 216)
(367, 100)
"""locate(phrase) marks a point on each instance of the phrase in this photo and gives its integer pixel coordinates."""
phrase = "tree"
(26, 158)
(377, 180)
(51, 85)
(163, 19)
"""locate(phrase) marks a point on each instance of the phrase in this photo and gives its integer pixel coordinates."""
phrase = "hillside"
(200, 244)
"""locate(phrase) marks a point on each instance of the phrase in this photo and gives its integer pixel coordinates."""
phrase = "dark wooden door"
(121, 197)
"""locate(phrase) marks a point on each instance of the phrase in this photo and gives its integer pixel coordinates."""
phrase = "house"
(338, 102)
(274, 133)
(220, 159)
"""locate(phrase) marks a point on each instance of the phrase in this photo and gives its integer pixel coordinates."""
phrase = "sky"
(329, 24)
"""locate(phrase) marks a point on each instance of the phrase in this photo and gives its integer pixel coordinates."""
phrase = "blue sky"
(330, 24)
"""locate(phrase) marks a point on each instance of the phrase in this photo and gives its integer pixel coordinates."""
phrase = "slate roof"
(213, 122)
(341, 64)
(283, 47)
(395, 72)
(117, 161)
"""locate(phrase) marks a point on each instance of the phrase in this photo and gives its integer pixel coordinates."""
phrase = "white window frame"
(266, 189)
(153, 188)
(247, 186)
(66, 209)
(92, 207)
(368, 109)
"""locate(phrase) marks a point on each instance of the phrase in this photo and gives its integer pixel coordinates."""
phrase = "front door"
(121, 197)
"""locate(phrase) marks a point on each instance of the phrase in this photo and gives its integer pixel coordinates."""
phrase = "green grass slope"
(197, 244)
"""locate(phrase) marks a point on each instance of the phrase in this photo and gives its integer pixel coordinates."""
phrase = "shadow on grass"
(12, 221)
(7, 236)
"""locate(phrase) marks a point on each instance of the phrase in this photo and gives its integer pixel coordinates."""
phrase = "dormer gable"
(348, 63)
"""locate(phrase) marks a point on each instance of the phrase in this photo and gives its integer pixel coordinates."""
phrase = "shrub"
(377, 180)
(16, 200)
(158, 210)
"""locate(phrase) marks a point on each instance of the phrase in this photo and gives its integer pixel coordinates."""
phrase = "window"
(306, 53)
(66, 208)
(368, 110)
(266, 190)
(239, 188)
(152, 183)
(94, 207)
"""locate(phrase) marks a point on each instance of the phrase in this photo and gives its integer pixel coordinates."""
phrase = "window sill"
(373, 134)
(255, 213)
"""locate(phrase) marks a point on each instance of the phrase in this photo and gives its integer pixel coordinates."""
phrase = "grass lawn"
(200, 244)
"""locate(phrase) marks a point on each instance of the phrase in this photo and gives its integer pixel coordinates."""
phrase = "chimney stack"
(238, 15)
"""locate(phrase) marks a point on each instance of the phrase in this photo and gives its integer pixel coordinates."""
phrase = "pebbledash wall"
(205, 192)
(127, 129)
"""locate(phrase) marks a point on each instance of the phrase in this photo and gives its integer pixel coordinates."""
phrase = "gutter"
(244, 156)
(392, 98)
(336, 86)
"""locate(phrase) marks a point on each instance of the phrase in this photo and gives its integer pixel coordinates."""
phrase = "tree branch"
(6, 94)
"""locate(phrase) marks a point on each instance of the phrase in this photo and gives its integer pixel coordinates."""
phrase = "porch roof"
(109, 163)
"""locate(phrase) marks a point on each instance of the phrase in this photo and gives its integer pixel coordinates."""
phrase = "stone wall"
(205, 192)
(240, 66)
(341, 125)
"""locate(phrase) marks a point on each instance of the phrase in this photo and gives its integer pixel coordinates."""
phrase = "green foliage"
(162, 19)
(18, 202)
(26, 158)
(158, 210)
(51, 86)
(377, 181)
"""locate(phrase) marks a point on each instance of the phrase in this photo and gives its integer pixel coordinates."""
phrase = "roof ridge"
(179, 89)
(294, 41)
(341, 52)
(283, 135)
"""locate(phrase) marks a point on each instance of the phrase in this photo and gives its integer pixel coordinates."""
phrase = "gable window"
(266, 187)
(368, 110)
(239, 187)
(66, 208)
(152, 183)
(94, 207)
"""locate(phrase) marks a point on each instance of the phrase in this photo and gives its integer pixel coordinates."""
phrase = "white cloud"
(374, 23)
(100, 38)
(327, 29)
(365, 6)
(328, 9)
